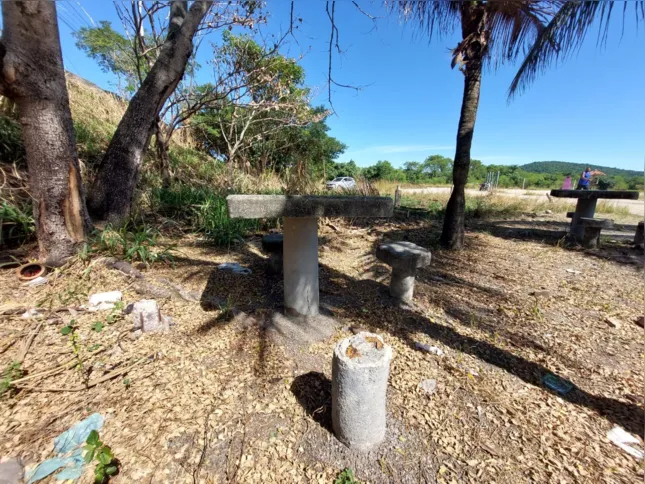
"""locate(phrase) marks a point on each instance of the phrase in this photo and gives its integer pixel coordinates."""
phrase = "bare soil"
(216, 400)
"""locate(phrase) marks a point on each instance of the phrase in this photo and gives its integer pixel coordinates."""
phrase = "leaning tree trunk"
(452, 235)
(32, 75)
(470, 52)
(112, 192)
(162, 146)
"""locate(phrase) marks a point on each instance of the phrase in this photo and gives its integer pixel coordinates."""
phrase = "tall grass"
(16, 222)
(204, 211)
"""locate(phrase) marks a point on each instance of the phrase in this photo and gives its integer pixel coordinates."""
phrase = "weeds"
(16, 222)
(13, 372)
(131, 243)
(346, 476)
(205, 212)
(107, 465)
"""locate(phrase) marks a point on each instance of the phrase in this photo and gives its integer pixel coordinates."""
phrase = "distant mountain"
(563, 167)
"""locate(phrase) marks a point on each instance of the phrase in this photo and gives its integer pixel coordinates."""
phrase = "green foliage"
(98, 326)
(13, 372)
(131, 242)
(107, 466)
(16, 222)
(574, 169)
(346, 476)
(204, 211)
(111, 50)
(12, 149)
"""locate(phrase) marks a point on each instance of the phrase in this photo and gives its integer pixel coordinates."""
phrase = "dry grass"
(218, 402)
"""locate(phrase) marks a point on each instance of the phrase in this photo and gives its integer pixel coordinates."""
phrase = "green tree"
(491, 32)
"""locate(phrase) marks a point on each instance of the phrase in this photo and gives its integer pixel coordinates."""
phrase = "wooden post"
(397, 197)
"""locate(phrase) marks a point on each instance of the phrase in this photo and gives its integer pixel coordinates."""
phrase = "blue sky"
(590, 109)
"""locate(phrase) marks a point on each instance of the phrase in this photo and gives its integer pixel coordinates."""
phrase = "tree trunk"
(112, 192)
(162, 145)
(32, 75)
(473, 22)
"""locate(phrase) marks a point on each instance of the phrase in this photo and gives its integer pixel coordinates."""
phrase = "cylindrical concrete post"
(360, 370)
(301, 266)
(584, 208)
(402, 284)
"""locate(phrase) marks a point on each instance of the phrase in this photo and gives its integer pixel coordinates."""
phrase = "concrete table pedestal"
(300, 255)
(301, 266)
(360, 371)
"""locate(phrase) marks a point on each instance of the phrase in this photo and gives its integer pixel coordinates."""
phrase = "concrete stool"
(272, 245)
(360, 370)
(639, 238)
(404, 258)
(593, 226)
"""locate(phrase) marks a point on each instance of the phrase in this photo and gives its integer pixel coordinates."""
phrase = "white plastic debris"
(104, 300)
(234, 267)
(428, 386)
(430, 349)
(30, 313)
(573, 271)
(621, 438)
(38, 281)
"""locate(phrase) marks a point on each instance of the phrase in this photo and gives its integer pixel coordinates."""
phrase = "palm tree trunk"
(452, 235)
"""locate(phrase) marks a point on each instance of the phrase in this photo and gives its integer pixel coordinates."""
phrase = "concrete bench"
(404, 258)
(272, 245)
(592, 228)
(639, 238)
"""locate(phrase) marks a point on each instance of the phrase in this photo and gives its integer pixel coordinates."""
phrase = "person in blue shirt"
(585, 178)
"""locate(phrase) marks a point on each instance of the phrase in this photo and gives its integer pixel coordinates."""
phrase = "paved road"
(636, 207)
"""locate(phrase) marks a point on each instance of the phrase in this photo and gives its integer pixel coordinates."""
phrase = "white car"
(341, 183)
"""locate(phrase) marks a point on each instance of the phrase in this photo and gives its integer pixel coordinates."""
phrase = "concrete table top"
(596, 194)
(272, 206)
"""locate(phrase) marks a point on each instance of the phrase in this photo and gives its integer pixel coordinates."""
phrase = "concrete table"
(586, 206)
(301, 215)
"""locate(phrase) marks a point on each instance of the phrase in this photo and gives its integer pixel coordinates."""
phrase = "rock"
(640, 321)
(613, 322)
(11, 470)
(429, 349)
(548, 212)
(147, 317)
(104, 300)
(428, 386)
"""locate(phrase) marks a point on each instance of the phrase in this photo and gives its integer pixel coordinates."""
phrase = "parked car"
(341, 183)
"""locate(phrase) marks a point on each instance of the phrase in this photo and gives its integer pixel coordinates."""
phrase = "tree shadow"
(313, 392)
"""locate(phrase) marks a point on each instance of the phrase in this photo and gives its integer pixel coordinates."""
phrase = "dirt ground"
(214, 400)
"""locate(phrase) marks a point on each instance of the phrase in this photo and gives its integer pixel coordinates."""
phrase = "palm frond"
(565, 34)
(435, 18)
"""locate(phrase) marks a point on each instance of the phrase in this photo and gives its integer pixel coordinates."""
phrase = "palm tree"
(492, 32)
(565, 33)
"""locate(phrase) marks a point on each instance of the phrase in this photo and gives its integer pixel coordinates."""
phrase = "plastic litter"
(621, 438)
(68, 448)
(557, 384)
(573, 271)
(428, 386)
(430, 349)
(234, 267)
(104, 300)
(39, 281)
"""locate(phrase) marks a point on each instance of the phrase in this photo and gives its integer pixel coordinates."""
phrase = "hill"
(563, 167)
